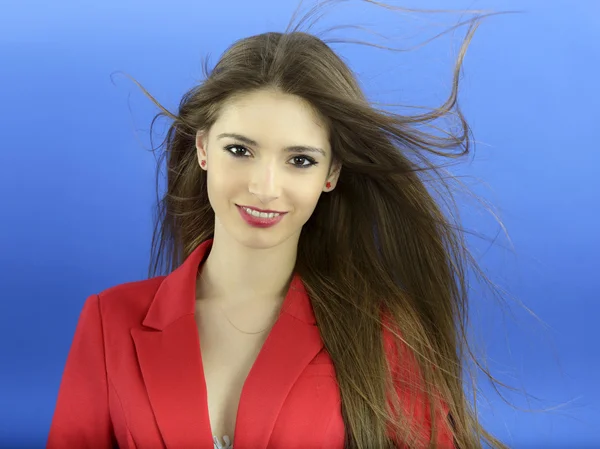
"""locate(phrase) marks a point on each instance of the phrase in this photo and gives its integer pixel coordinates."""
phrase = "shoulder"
(416, 398)
(397, 350)
(402, 360)
(127, 303)
(137, 289)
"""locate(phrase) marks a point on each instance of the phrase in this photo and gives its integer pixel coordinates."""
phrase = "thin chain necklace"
(237, 328)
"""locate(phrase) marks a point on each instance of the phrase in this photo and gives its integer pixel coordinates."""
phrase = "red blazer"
(134, 376)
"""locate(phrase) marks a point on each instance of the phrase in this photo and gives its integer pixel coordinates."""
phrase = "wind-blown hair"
(378, 252)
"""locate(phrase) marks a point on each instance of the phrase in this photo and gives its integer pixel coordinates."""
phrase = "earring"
(328, 185)
(203, 163)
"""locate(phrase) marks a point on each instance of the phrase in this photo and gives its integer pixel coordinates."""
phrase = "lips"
(271, 219)
(266, 211)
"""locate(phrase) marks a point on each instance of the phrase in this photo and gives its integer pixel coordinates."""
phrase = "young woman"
(316, 293)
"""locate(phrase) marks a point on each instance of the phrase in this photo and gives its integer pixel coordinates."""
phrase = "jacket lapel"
(173, 375)
(168, 350)
(292, 343)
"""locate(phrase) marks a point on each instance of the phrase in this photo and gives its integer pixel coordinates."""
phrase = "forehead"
(281, 116)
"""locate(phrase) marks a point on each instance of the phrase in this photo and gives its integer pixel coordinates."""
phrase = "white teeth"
(255, 213)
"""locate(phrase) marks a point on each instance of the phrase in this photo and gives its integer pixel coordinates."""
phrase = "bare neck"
(236, 273)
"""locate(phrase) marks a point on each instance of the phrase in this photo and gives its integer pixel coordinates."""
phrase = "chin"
(267, 238)
(255, 240)
(260, 238)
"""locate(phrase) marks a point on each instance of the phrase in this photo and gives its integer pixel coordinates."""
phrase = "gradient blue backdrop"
(78, 183)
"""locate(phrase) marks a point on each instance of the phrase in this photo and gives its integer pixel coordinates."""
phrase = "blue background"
(78, 180)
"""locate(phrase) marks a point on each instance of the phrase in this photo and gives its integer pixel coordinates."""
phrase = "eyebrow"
(292, 149)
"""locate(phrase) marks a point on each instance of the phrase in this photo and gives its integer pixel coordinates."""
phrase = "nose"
(264, 182)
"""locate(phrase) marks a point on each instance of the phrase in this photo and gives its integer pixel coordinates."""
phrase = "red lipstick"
(260, 221)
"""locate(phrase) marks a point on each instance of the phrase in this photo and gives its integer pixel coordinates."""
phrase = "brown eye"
(303, 161)
(237, 150)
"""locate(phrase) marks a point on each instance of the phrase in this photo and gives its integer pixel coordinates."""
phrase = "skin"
(248, 263)
(245, 277)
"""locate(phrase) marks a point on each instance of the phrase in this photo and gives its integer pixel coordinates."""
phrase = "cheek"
(223, 180)
(217, 188)
(306, 194)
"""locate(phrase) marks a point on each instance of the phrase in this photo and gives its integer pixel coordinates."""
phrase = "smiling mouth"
(258, 218)
(260, 213)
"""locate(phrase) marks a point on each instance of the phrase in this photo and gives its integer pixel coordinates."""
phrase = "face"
(268, 161)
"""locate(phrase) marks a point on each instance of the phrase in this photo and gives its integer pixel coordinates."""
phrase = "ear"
(202, 155)
(334, 175)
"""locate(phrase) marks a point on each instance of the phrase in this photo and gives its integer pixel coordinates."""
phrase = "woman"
(316, 291)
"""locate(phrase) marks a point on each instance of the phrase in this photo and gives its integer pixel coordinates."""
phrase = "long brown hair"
(380, 242)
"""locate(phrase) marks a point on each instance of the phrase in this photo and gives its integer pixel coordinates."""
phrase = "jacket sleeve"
(408, 384)
(81, 416)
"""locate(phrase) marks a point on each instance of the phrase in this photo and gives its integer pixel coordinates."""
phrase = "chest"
(174, 389)
(230, 342)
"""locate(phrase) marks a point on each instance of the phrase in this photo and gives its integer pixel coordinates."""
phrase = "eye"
(237, 150)
(303, 161)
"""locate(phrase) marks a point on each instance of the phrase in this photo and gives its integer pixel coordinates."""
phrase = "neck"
(236, 273)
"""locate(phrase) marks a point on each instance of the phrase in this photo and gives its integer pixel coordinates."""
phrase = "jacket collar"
(176, 295)
(168, 352)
